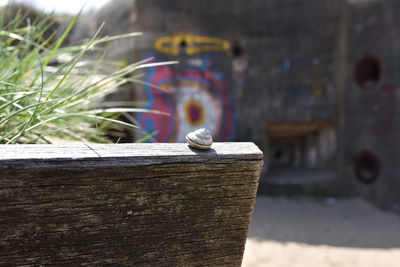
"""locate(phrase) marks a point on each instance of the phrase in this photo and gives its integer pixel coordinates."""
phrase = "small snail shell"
(200, 139)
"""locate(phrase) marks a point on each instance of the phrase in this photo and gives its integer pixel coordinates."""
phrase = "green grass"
(49, 91)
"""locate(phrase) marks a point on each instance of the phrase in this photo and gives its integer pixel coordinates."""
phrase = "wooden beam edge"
(24, 156)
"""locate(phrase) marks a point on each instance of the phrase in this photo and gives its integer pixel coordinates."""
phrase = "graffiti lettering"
(190, 44)
(307, 76)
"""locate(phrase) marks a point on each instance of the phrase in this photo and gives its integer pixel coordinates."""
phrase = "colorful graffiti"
(194, 96)
(307, 77)
(190, 44)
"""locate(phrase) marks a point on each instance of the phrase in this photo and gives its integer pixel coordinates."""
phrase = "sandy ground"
(308, 232)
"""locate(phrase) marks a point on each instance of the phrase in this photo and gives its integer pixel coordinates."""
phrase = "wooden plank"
(126, 204)
(33, 156)
(296, 129)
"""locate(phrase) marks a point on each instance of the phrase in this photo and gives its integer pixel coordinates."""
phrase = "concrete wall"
(281, 63)
(118, 17)
(313, 83)
(372, 95)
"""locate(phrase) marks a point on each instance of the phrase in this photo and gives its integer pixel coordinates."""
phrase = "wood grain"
(126, 204)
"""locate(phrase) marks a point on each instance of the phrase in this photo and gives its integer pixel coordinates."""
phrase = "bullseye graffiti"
(194, 112)
(195, 97)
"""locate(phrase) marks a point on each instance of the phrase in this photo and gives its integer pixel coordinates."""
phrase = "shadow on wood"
(126, 204)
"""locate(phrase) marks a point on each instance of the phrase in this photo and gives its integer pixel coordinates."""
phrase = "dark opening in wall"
(237, 49)
(366, 167)
(278, 154)
(183, 44)
(367, 72)
(300, 152)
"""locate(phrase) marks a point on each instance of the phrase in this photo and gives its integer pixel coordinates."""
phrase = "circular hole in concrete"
(183, 44)
(367, 72)
(367, 167)
(237, 49)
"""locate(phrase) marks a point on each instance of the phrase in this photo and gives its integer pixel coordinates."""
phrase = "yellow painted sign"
(190, 44)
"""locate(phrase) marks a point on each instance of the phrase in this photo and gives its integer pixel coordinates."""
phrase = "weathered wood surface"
(126, 204)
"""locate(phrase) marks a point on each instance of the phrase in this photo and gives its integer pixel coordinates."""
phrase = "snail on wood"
(199, 139)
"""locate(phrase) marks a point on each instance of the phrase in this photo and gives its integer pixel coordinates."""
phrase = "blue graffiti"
(308, 76)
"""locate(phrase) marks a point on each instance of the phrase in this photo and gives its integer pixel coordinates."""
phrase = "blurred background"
(315, 84)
